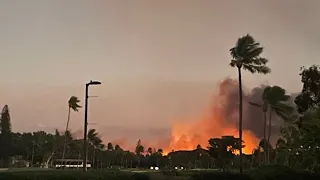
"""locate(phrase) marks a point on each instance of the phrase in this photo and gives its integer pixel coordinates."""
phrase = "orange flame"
(214, 123)
(186, 136)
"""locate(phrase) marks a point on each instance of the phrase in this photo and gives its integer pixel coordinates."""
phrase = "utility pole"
(85, 136)
(85, 145)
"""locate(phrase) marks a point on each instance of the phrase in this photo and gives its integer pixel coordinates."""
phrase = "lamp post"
(85, 144)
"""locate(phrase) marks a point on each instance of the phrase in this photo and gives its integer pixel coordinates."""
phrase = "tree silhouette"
(110, 146)
(246, 55)
(73, 104)
(117, 148)
(139, 150)
(223, 149)
(277, 101)
(93, 138)
(264, 107)
(5, 121)
(310, 95)
(160, 152)
(5, 136)
(149, 151)
(198, 146)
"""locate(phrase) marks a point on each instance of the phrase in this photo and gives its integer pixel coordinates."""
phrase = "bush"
(71, 175)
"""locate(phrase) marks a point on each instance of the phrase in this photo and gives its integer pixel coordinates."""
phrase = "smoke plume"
(221, 119)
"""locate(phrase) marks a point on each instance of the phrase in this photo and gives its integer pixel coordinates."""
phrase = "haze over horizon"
(159, 61)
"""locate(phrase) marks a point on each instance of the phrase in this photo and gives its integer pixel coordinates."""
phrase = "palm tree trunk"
(93, 157)
(65, 135)
(259, 158)
(78, 159)
(252, 159)
(49, 159)
(269, 134)
(240, 117)
(265, 148)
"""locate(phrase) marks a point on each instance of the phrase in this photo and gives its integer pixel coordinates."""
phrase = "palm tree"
(277, 101)
(149, 151)
(264, 108)
(93, 137)
(160, 152)
(255, 152)
(95, 142)
(246, 55)
(73, 104)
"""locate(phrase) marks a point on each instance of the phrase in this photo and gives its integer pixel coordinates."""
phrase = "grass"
(48, 174)
(123, 174)
(24, 169)
(264, 173)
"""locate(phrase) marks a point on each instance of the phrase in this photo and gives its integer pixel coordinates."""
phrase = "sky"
(159, 61)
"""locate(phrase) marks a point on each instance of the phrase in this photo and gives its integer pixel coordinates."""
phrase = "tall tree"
(246, 55)
(5, 136)
(139, 150)
(309, 98)
(110, 146)
(5, 123)
(277, 100)
(95, 143)
(149, 151)
(160, 152)
(117, 148)
(93, 138)
(73, 104)
(264, 108)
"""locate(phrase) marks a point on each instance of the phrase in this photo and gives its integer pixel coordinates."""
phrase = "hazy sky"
(159, 60)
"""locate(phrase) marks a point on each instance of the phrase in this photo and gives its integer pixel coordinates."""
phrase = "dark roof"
(71, 160)
(199, 150)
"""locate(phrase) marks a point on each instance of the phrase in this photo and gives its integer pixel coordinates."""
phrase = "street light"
(85, 144)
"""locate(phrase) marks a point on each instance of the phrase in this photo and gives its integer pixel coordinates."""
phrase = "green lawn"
(24, 169)
(263, 173)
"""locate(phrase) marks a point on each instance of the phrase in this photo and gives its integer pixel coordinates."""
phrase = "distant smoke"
(252, 116)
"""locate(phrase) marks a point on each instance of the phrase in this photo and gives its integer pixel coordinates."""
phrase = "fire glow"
(212, 124)
(219, 119)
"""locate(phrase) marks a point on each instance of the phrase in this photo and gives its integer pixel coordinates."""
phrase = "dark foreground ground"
(265, 173)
